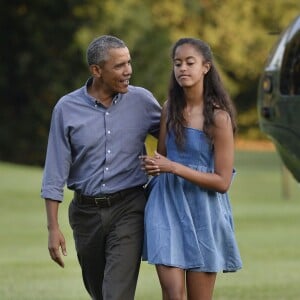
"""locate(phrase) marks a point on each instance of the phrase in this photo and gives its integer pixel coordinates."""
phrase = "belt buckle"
(100, 200)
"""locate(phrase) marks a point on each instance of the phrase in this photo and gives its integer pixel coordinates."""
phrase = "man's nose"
(128, 69)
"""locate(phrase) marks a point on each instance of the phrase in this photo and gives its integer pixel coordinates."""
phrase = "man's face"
(116, 71)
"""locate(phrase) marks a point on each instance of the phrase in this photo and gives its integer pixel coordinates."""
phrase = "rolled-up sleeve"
(58, 158)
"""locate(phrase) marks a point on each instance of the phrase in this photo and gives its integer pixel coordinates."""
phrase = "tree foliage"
(38, 60)
(44, 43)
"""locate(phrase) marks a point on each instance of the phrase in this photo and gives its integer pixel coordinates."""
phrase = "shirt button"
(108, 151)
(103, 184)
(106, 169)
(107, 113)
(108, 131)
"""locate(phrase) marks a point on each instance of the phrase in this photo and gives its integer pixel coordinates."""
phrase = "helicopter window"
(290, 72)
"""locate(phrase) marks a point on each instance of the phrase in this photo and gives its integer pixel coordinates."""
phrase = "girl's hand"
(154, 165)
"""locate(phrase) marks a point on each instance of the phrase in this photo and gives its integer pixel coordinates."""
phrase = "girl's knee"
(174, 294)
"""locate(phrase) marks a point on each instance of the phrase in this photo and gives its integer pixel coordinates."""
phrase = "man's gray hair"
(97, 51)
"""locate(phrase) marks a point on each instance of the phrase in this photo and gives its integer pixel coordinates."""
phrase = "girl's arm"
(161, 145)
(218, 181)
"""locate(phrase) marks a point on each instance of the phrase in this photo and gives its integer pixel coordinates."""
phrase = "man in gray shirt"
(96, 136)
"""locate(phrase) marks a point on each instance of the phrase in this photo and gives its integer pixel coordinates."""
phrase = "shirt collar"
(91, 99)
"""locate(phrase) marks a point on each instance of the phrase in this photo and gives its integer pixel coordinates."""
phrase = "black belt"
(104, 200)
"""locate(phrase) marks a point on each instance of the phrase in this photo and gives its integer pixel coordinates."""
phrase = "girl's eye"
(178, 64)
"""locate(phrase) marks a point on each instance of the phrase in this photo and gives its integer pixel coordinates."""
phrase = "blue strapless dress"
(187, 226)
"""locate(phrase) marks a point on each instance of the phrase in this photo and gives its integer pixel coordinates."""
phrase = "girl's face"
(189, 66)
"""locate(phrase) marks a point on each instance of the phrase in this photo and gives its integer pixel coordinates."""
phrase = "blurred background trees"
(43, 45)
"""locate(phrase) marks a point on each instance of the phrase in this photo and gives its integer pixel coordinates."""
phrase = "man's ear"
(95, 70)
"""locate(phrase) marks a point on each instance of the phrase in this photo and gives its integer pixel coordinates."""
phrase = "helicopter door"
(290, 72)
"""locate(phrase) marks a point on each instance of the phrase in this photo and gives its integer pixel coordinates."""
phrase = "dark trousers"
(109, 244)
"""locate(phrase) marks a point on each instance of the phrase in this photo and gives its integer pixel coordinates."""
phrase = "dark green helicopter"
(279, 97)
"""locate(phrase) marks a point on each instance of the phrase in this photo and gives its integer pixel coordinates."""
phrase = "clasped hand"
(156, 164)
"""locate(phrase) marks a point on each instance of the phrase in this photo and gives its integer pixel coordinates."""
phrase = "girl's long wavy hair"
(215, 95)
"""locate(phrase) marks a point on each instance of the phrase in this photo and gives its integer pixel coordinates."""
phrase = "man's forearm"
(52, 213)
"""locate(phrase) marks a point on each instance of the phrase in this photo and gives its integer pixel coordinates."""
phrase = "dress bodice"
(197, 151)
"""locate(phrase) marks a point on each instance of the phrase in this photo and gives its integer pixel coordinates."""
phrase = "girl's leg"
(200, 285)
(172, 282)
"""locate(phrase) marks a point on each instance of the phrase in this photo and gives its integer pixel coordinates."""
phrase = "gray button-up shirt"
(94, 149)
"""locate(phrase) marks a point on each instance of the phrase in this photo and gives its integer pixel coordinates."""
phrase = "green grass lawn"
(267, 229)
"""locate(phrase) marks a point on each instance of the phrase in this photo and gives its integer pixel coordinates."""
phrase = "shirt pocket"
(132, 140)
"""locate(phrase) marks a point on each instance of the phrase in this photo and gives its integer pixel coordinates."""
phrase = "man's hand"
(56, 241)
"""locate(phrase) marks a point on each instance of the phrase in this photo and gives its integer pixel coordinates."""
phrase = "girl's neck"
(193, 96)
(193, 99)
